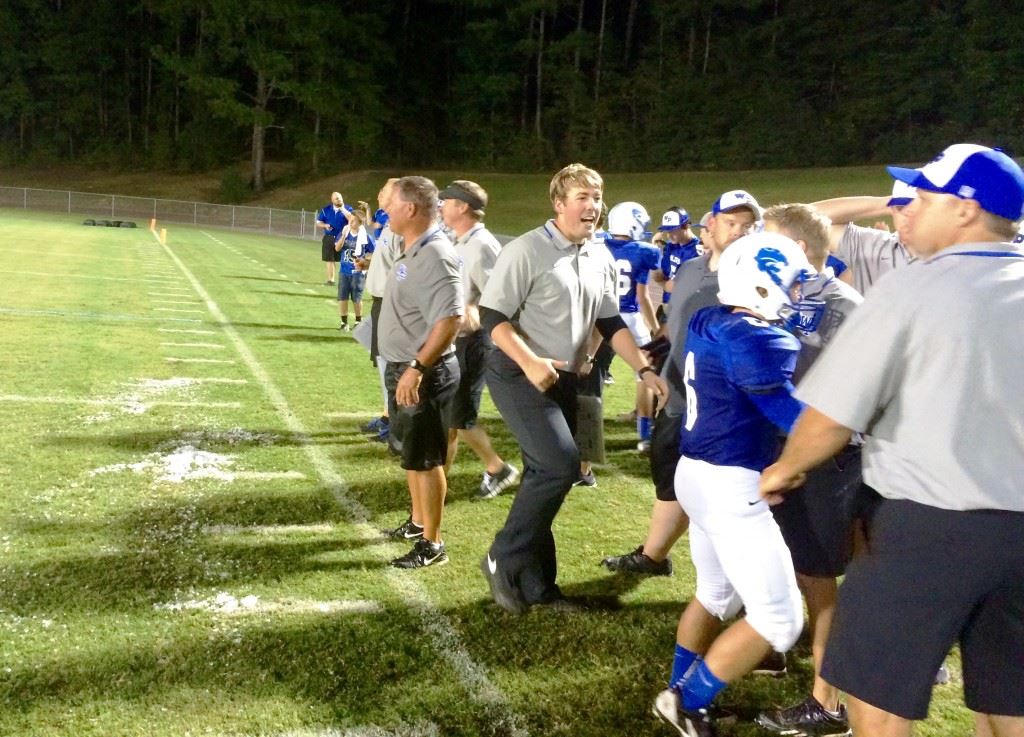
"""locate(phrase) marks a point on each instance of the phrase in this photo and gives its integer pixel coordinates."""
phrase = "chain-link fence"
(288, 223)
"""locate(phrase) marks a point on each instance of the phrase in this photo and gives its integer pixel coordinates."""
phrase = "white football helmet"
(630, 219)
(764, 272)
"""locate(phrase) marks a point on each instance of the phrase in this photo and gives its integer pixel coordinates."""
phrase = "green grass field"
(189, 522)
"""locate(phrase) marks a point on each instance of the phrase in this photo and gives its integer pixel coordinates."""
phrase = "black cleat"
(638, 562)
(774, 665)
(491, 486)
(806, 719)
(424, 553)
(669, 709)
(587, 479)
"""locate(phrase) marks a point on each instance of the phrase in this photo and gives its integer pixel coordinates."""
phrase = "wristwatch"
(419, 366)
(644, 369)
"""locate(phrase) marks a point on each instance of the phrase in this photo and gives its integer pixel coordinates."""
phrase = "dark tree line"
(516, 84)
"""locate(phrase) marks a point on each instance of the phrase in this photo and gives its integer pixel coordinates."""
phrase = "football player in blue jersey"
(634, 261)
(738, 365)
(680, 245)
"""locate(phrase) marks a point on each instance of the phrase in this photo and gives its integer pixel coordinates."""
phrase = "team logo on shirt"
(401, 272)
(771, 261)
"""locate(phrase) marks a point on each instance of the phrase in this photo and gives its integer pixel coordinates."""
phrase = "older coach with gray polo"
(549, 289)
(930, 369)
(420, 317)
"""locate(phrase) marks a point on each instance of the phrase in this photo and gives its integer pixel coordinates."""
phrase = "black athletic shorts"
(419, 434)
(327, 252)
(471, 351)
(817, 519)
(931, 578)
(665, 454)
(378, 302)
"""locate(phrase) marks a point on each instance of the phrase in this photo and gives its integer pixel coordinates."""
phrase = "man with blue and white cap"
(929, 370)
(869, 252)
(680, 245)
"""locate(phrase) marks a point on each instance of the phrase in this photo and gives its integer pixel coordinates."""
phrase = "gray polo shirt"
(389, 246)
(553, 291)
(696, 286)
(930, 368)
(871, 253)
(477, 250)
(423, 287)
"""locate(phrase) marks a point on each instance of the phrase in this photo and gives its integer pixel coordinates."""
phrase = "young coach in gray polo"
(929, 369)
(421, 314)
(549, 289)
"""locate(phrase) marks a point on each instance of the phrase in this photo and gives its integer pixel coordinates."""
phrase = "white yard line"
(20, 398)
(176, 302)
(175, 309)
(175, 359)
(444, 637)
(191, 332)
(90, 315)
(214, 346)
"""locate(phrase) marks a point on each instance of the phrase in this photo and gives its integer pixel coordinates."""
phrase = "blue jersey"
(357, 245)
(672, 257)
(334, 218)
(728, 358)
(380, 219)
(633, 263)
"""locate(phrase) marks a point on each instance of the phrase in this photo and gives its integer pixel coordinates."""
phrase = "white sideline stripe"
(419, 729)
(228, 530)
(175, 359)
(214, 346)
(204, 380)
(445, 640)
(183, 293)
(64, 275)
(91, 315)
(351, 415)
(192, 332)
(176, 301)
(111, 402)
(175, 309)
(268, 475)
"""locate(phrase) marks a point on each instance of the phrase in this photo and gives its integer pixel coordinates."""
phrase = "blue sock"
(700, 688)
(684, 660)
(643, 427)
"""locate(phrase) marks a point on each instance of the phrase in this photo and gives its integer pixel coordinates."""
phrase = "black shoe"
(806, 719)
(587, 479)
(504, 595)
(424, 553)
(668, 708)
(638, 562)
(408, 530)
(491, 486)
(774, 665)
(562, 605)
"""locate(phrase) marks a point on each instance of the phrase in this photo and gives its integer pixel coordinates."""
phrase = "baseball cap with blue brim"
(704, 220)
(674, 219)
(972, 172)
(735, 199)
(902, 194)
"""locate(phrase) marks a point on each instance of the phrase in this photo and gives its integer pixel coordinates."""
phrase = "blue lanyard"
(984, 254)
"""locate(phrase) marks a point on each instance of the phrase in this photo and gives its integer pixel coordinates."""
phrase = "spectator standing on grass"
(929, 369)
(549, 289)
(388, 248)
(462, 210)
(355, 244)
(421, 315)
(331, 219)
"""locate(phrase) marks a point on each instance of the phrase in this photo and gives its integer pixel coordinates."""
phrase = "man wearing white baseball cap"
(929, 370)
(869, 252)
